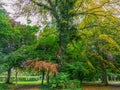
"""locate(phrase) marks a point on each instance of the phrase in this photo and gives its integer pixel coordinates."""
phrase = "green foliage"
(48, 37)
(4, 87)
(4, 22)
(73, 84)
(62, 81)
(5, 28)
(13, 41)
(45, 87)
(47, 44)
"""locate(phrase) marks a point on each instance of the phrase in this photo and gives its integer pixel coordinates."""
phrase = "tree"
(43, 67)
(79, 62)
(13, 38)
(65, 14)
(47, 44)
(101, 43)
(4, 33)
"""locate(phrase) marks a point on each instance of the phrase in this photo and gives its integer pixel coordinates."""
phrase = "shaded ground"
(101, 88)
(28, 87)
(93, 87)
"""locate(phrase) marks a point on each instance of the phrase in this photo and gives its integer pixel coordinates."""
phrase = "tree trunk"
(8, 76)
(43, 76)
(16, 73)
(64, 27)
(104, 76)
(48, 77)
(64, 39)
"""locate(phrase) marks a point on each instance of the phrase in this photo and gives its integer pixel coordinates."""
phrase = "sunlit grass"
(28, 82)
(25, 82)
(99, 82)
(85, 86)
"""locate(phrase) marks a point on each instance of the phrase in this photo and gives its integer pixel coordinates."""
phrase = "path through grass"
(36, 86)
(101, 87)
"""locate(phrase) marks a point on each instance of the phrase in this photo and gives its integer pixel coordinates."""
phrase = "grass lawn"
(28, 82)
(13, 86)
(36, 84)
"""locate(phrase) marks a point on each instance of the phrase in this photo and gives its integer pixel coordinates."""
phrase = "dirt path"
(101, 88)
(35, 87)
(29, 87)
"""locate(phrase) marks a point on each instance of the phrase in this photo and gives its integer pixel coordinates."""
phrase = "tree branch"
(56, 2)
(50, 3)
(42, 5)
(92, 9)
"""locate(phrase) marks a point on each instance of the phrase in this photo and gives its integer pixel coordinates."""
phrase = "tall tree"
(101, 43)
(12, 37)
(66, 14)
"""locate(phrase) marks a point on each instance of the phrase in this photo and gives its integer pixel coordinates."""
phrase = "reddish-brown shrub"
(42, 65)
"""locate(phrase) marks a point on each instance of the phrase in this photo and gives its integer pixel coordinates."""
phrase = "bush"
(73, 84)
(45, 87)
(4, 87)
(59, 81)
(62, 81)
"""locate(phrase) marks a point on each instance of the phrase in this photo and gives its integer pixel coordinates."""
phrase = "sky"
(36, 20)
(10, 10)
(7, 5)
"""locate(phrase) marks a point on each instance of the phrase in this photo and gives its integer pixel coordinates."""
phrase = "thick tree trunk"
(104, 76)
(43, 76)
(65, 28)
(64, 39)
(8, 76)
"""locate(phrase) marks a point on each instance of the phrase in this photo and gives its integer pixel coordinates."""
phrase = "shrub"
(59, 81)
(62, 81)
(73, 84)
(4, 87)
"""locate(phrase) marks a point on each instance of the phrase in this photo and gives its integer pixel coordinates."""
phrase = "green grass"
(25, 82)
(99, 83)
(29, 82)
(113, 82)
(19, 84)
(45, 87)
